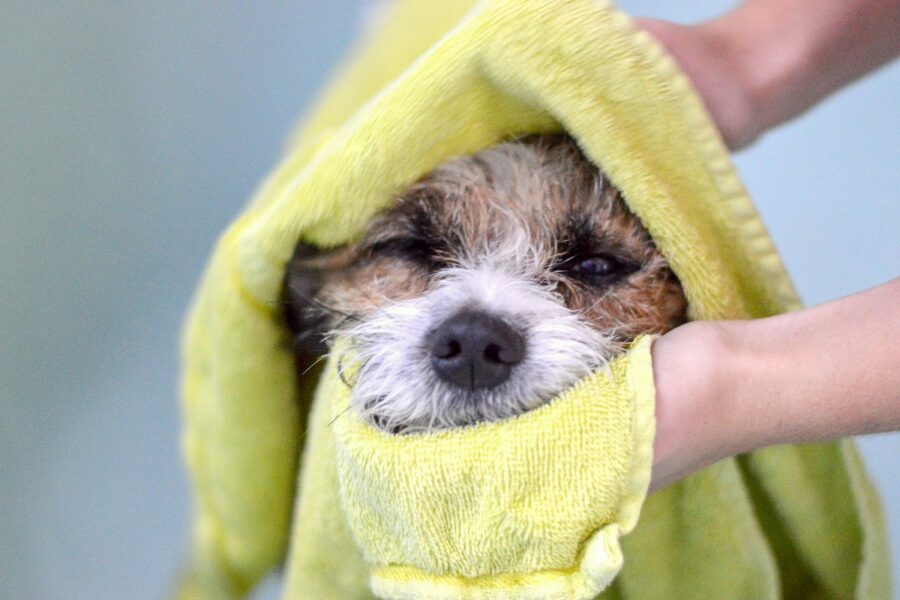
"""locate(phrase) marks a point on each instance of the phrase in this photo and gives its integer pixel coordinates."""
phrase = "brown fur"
(543, 184)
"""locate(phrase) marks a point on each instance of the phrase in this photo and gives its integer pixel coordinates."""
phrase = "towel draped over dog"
(529, 507)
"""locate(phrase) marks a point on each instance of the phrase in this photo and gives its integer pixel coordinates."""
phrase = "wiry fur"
(396, 386)
(497, 231)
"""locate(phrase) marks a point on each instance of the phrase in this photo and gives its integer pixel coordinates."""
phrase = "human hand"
(689, 374)
(768, 61)
(709, 59)
(727, 387)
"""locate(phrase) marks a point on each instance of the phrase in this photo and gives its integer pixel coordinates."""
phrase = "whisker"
(339, 415)
(314, 363)
(314, 302)
(340, 372)
(330, 309)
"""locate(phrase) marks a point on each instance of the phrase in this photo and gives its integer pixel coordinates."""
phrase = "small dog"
(489, 287)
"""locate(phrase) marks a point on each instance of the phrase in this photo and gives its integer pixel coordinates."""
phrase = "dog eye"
(405, 248)
(600, 269)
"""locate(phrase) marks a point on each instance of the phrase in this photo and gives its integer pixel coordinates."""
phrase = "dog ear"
(307, 318)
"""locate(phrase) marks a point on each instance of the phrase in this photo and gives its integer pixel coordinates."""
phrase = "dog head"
(490, 286)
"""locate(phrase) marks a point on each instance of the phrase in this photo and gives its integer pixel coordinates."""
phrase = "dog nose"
(475, 350)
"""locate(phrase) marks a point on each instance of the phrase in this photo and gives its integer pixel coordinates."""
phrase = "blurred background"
(131, 133)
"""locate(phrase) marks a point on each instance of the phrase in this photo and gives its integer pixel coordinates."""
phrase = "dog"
(491, 285)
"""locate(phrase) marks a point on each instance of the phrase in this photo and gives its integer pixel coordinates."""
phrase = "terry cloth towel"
(426, 516)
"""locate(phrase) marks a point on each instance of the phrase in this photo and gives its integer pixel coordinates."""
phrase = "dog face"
(488, 288)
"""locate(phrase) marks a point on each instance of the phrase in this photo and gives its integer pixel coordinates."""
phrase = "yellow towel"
(531, 507)
(432, 83)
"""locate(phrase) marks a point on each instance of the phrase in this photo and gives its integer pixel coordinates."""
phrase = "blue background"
(130, 134)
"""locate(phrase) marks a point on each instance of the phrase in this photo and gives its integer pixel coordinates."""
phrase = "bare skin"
(729, 387)
(768, 61)
(818, 374)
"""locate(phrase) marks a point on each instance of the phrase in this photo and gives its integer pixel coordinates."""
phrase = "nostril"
(447, 348)
(492, 353)
(506, 354)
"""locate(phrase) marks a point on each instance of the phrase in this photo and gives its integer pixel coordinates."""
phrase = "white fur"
(396, 386)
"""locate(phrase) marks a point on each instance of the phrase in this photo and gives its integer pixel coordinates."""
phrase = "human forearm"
(829, 371)
(729, 387)
(767, 61)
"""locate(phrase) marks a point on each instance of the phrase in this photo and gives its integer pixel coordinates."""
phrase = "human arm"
(727, 387)
(768, 61)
